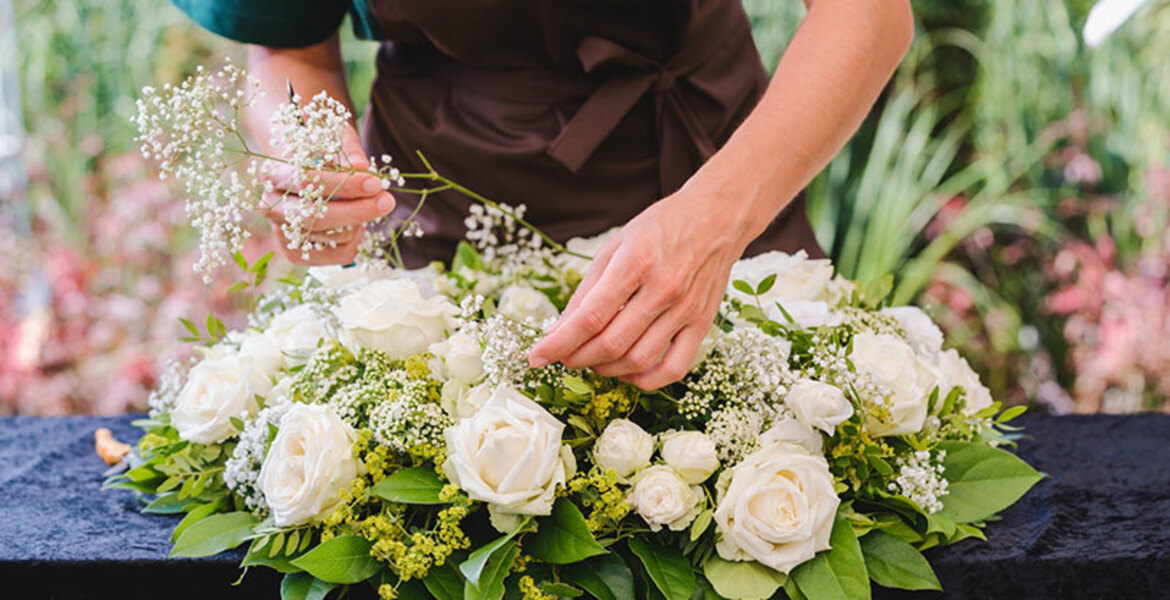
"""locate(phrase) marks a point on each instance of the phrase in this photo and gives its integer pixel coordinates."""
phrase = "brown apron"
(586, 111)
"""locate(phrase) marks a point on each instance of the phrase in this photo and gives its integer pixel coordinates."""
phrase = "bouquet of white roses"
(381, 425)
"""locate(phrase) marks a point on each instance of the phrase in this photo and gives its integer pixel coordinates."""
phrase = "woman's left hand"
(650, 295)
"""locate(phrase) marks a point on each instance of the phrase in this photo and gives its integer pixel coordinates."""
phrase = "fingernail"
(537, 362)
(385, 203)
(357, 159)
(372, 185)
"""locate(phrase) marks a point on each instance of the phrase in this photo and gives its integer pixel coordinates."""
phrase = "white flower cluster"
(242, 469)
(920, 478)
(506, 343)
(194, 133)
(507, 248)
(407, 419)
(174, 376)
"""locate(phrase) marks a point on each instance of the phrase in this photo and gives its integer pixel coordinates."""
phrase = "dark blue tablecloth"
(1098, 527)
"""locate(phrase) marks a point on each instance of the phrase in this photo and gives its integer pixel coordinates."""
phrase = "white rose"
(797, 277)
(956, 372)
(890, 362)
(262, 351)
(281, 393)
(309, 465)
(297, 333)
(662, 498)
(527, 305)
(391, 315)
(805, 313)
(338, 277)
(624, 447)
(585, 246)
(458, 357)
(924, 336)
(691, 453)
(818, 405)
(776, 507)
(461, 400)
(221, 387)
(509, 454)
(788, 430)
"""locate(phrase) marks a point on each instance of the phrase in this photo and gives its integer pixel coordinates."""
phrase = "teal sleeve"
(274, 23)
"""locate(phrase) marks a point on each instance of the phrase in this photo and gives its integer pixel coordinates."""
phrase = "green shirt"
(280, 24)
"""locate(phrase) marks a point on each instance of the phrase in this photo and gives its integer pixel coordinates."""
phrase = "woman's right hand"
(357, 199)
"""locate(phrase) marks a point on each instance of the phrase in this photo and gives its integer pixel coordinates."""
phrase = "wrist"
(739, 206)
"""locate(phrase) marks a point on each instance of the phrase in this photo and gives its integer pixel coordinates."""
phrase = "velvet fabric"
(1097, 527)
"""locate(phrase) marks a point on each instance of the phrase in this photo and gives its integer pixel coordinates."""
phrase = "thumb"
(351, 145)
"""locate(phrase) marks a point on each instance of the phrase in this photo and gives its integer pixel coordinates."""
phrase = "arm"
(653, 291)
(358, 199)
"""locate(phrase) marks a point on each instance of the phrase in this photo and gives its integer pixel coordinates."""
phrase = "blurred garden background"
(1014, 180)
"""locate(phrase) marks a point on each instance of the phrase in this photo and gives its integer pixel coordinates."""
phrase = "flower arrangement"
(382, 425)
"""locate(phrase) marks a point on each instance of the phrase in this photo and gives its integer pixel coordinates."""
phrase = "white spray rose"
(509, 455)
(624, 447)
(662, 498)
(691, 453)
(776, 507)
(309, 465)
(897, 370)
(922, 333)
(954, 371)
(461, 401)
(526, 305)
(222, 386)
(297, 332)
(458, 357)
(797, 277)
(391, 315)
(818, 405)
(788, 430)
(261, 350)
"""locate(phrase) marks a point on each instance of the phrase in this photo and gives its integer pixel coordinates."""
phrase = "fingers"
(649, 349)
(627, 327)
(675, 364)
(338, 213)
(342, 254)
(330, 184)
(594, 311)
(596, 269)
(351, 147)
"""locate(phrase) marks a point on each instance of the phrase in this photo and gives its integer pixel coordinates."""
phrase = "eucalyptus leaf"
(414, 485)
(669, 570)
(214, 534)
(894, 563)
(606, 577)
(563, 537)
(344, 559)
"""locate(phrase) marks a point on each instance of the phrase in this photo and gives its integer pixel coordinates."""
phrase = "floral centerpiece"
(377, 425)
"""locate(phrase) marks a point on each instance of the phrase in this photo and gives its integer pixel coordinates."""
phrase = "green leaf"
(169, 504)
(189, 326)
(765, 285)
(1010, 414)
(214, 534)
(982, 480)
(195, 514)
(171, 483)
(258, 556)
(444, 582)
(606, 577)
(576, 385)
(344, 559)
(414, 485)
(561, 590)
(473, 566)
(302, 586)
(237, 287)
(838, 572)
(276, 546)
(896, 564)
(700, 524)
(240, 260)
(793, 591)
(742, 580)
(290, 545)
(744, 287)
(670, 571)
(491, 582)
(563, 537)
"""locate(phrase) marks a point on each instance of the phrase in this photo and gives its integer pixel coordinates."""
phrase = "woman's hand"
(356, 200)
(650, 296)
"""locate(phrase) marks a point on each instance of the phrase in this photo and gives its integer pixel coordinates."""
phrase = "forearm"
(310, 70)
(827, 81)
